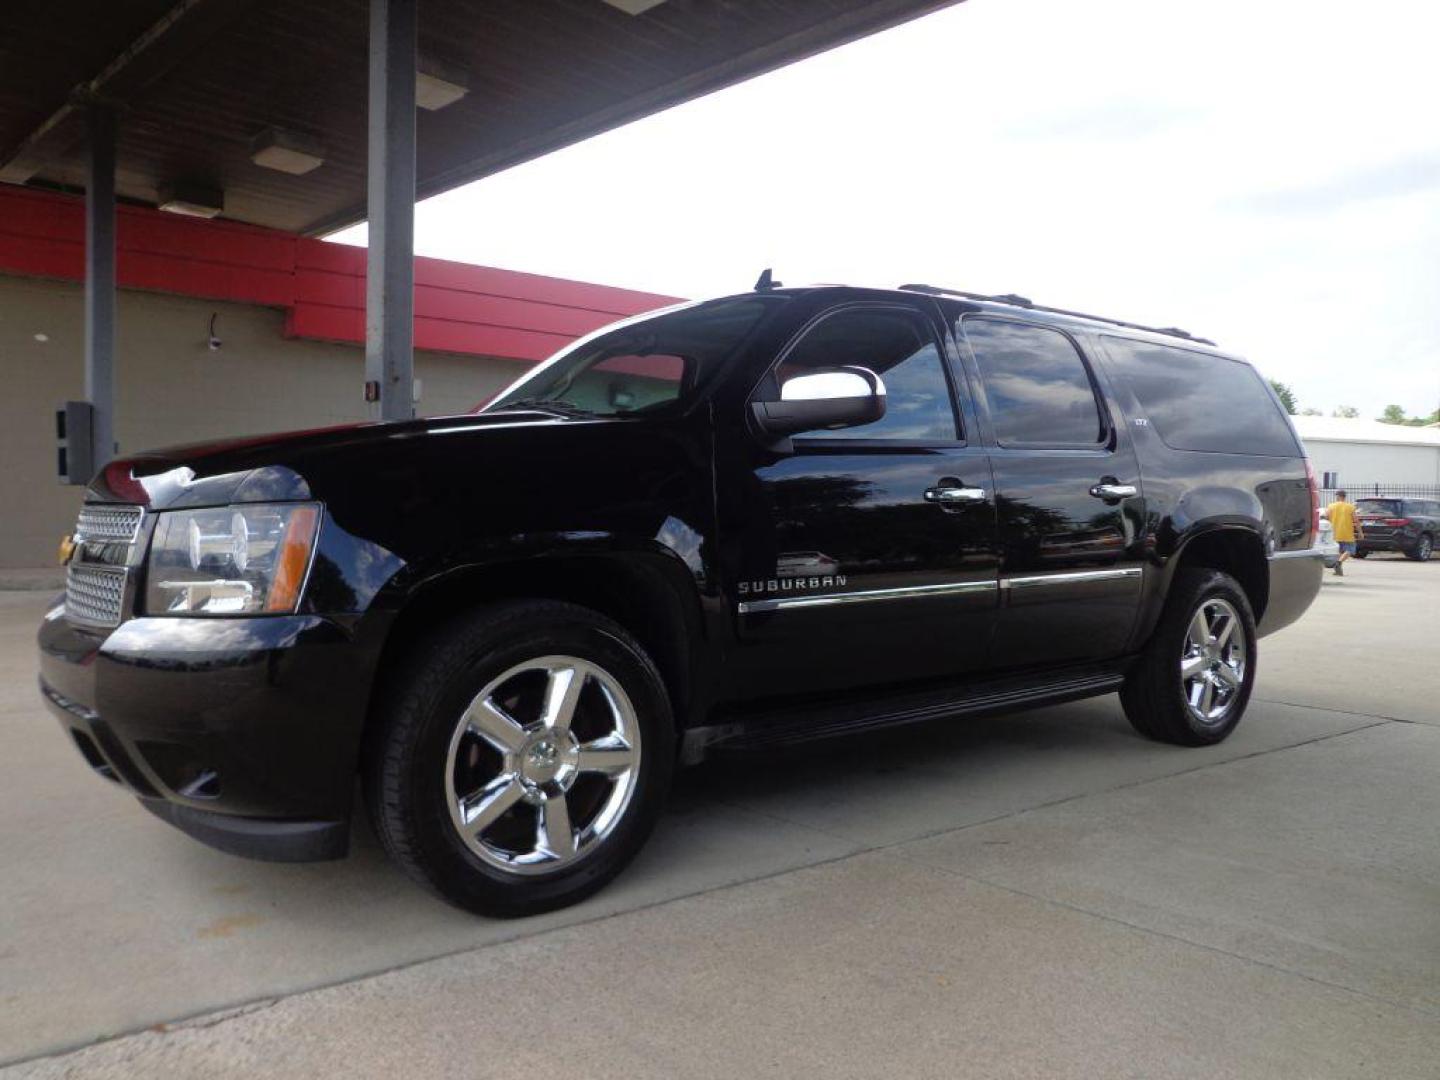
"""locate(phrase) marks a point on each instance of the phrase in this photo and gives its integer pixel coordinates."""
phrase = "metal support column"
(390, 262)
(100, 281)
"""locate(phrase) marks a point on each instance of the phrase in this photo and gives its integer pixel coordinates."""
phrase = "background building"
(287, 318)
(1368, 457)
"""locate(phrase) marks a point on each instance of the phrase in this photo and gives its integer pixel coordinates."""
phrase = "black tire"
(1423, 549)
(407, 788)
(1362, 554)
(1153, 695)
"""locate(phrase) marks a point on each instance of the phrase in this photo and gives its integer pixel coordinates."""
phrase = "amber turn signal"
(294, 559)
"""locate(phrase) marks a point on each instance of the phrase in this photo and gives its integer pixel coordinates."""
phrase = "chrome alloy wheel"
(542, 764)
(1212, 667)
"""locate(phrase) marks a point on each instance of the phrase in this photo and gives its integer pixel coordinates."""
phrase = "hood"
(272, 468)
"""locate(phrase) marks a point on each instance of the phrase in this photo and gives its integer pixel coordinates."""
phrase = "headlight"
(231, 560)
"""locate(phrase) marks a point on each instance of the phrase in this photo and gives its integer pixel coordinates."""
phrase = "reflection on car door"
(1068, 491)
(865, 556)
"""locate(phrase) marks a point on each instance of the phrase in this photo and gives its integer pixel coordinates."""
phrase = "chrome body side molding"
(862, 596)
(1074, 578)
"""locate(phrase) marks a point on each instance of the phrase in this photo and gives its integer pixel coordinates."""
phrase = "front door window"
(899, 347)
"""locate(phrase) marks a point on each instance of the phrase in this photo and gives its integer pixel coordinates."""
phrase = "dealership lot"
(1043, 894)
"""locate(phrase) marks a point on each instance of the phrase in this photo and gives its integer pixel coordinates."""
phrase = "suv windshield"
(1388, 507)
(640, 367)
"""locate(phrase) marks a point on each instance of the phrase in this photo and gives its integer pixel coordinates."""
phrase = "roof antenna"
(765, 282)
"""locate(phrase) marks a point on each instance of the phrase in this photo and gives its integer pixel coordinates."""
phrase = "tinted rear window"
(1199, 401)
(1388, 507)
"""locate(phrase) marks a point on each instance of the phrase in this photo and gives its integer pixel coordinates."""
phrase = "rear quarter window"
(1388, 507)
(1200, 401)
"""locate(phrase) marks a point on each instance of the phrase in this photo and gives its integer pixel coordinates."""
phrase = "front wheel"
(1193, 682)
(1423, 549)
(520, 757)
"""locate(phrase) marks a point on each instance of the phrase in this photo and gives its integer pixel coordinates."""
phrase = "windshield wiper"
(554, 405)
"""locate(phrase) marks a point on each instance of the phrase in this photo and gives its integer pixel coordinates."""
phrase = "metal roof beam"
(100, 282)
(178, 33)
(390, 252)
(861, 21)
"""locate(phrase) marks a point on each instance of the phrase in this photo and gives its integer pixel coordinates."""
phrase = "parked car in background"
(1409, 526)
(1326, 543)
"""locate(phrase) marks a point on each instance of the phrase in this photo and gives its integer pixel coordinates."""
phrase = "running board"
(776, 728)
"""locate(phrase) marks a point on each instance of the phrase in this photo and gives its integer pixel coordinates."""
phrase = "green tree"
(1285, 394)
(1349, 412)
(1393, 414)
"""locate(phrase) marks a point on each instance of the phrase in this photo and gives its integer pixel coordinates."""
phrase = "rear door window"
(1201, 401)
(1037, 387)
(1383, 507)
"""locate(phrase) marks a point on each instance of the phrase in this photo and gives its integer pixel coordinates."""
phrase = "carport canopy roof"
(195, 82)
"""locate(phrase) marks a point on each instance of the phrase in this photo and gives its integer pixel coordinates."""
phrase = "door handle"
(946, 494)
(1109, 489)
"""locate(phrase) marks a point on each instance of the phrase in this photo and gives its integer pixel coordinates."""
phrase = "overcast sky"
(1262, 172)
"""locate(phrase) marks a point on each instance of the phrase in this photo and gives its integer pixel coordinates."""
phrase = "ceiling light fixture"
(192, 200)
(438, 84)
(286, 151)
(634, 7)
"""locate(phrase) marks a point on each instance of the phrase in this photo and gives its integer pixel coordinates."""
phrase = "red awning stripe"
(459, 308)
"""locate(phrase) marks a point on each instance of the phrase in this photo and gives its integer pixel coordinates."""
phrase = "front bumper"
(242, 732)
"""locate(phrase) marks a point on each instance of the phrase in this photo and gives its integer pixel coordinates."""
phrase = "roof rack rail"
(1024, 302)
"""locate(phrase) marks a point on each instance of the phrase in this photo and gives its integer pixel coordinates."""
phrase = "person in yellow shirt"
(1347, 530)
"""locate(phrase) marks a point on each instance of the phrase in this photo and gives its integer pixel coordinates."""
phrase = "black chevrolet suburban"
(723, 527)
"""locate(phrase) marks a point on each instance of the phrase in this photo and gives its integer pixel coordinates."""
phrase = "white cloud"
(1267, 174)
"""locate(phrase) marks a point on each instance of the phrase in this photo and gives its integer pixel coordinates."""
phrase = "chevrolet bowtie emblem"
(67, 549)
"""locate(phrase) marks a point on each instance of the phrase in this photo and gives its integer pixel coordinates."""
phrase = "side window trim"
(1104, 445)
(833, 441)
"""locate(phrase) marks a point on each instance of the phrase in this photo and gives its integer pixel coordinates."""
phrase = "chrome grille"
(108, 524)
(94, 594)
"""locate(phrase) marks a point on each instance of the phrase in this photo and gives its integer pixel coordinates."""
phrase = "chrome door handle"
(954, 494)
(1106, 490)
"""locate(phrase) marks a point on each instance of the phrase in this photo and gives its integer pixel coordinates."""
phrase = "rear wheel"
(1362, 554)
(521, 758)
(1423, 549)
(1193, 682)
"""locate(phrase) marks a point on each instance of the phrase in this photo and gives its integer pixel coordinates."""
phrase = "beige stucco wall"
(171, 388)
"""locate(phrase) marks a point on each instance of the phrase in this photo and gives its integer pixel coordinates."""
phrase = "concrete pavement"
(1044, 894)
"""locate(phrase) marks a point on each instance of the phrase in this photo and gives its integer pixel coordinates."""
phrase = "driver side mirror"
(822, 400)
